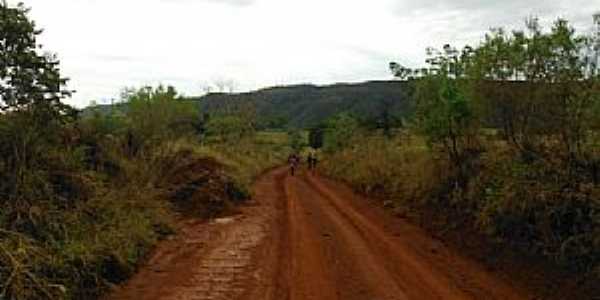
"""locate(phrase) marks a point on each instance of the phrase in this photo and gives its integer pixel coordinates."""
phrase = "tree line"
(504, 140)
(539, 89)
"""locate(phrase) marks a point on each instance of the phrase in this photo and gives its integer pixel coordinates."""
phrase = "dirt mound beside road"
(200, 187)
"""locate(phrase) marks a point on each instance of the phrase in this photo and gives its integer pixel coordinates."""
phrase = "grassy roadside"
(83, 200)
(250, 156)
(486, 219)
(78, 252)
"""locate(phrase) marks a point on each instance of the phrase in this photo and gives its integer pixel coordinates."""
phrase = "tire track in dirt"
(357, 272)
(305, 237)
(305, 252)
(423, 267)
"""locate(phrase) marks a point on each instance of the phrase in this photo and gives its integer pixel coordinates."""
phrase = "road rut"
(306, 237)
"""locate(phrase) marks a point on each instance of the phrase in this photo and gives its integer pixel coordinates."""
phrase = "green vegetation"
(296, 140)
(305, 106)
(86, 206)
(84, 198)
(503, 141)
(250, 156)
(503, 138)
(339, 131)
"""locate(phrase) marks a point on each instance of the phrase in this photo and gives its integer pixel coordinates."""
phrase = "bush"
(339, 132)
(536, 207)
(155, 115)
(397, 170)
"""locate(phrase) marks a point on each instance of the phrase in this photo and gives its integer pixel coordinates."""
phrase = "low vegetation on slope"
(86, 200)
(534, 182)
(83, 199)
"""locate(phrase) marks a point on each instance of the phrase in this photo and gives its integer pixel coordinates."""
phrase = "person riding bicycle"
(293, 160)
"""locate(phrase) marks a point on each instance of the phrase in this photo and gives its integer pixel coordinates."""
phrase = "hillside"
(307, 105)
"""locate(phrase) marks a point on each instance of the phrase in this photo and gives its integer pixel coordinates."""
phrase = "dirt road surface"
(305, 237)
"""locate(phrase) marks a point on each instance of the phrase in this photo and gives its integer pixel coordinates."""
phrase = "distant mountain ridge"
(307, 105)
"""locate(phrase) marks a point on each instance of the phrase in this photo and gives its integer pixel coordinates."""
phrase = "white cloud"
(105, 45)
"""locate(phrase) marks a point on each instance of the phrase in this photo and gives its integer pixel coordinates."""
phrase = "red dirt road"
(306, 237)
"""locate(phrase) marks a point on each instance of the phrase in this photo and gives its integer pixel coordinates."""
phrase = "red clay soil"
(304, 237)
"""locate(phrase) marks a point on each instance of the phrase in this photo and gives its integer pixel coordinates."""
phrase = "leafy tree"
(339, 131)
(29, 80)
(445, 114)
(157, 114)
(231, 123)
(32, 116)
(399, 71)
(229, 128)
(539, 87)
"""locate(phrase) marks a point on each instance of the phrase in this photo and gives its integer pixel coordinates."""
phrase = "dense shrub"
(65, 223)
(339, 131)
(536, 207)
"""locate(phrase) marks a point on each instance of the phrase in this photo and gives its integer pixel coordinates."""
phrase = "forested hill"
(303, 106)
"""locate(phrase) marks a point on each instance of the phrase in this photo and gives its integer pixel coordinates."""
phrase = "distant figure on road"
(293, 160)
(312, 161)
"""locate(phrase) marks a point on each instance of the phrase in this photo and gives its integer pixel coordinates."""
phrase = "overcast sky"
(105, 45)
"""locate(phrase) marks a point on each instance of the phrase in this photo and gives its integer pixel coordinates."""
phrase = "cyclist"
(293, 160)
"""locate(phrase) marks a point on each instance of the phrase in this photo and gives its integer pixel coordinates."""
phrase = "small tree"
(32, 116)
(339, 131)
(157, 114)
(228, 128)
(233, 123)
(539, 87)
(445, 114)
(29, 80)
